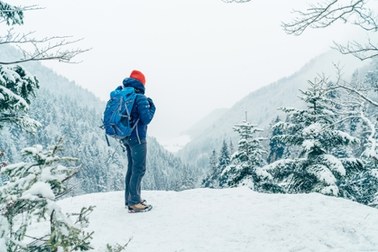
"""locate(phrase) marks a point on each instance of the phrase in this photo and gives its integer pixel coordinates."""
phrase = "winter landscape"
(265, 136)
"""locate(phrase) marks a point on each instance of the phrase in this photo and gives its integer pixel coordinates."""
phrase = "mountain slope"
(205, 123)
(235, 219)
(262, 105)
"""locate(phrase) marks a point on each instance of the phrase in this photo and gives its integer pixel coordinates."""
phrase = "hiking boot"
(143, 202)
(140, 207)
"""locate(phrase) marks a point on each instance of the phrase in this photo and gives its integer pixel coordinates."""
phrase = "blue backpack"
(117, 120)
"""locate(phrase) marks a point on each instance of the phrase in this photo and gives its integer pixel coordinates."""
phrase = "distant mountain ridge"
(261, 106)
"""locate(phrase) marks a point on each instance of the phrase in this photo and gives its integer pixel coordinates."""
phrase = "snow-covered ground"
(231, 220)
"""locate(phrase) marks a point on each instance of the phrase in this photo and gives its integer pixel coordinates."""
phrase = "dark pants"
(136, 168)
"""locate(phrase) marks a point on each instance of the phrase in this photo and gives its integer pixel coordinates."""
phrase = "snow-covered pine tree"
(314, 134)
(277, 147)
(363, 91)
(212, 179)
(224, 157)
(369, 117)
(213, 163)
(11, 14)
(231, 146)
(363, 186)
(30, 218)
(17, 87)
(244, 169)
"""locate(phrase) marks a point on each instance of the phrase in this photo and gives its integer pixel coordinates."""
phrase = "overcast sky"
(197, 55)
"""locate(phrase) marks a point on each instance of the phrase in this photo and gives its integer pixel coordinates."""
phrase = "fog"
(196, 55)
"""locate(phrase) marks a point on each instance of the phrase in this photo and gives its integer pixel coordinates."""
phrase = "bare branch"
(324, 14)
(358, 93)
(342, 84)
(33, 49)
(48, 48)
(17, 38)
(362, 52)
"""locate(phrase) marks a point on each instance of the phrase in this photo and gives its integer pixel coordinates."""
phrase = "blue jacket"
(144, 109)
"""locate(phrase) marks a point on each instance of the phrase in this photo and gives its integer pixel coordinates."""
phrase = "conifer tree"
(224, 156)
(277, 147)
(314, 133)
(231, 147)
(244, 169)
(11, 14)
(17, 87)
(213, 178)
(213, 163)
(363, 186)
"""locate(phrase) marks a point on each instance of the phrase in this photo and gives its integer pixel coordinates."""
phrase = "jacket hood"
(131, 82)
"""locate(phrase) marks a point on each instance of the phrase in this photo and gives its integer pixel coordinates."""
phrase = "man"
(136, 145)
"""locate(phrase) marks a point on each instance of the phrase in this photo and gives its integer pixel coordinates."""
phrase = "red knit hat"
(135, 74)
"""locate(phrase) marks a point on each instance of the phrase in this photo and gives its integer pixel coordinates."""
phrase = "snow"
(372, 145)
(264, 174)
(309, 144)
(10, 75)
(35, 150)
(233, 219)
(4, 228)
(374, 173)
(346, 137)
(330, 190)
(322, 173)
(37, 190)
(14, 96)
(2, 245)
(282, 163)
(315, 128)
(334, 164)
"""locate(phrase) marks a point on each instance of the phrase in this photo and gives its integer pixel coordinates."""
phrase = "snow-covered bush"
(30, 218)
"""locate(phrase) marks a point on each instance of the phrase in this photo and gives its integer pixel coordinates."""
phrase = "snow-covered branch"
(325, 13)
(360, 51)
(29, 196)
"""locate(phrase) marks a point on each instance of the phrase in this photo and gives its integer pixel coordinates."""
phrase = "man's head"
(138, 75)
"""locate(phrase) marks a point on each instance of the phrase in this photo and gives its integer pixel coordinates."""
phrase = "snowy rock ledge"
(226, 220)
